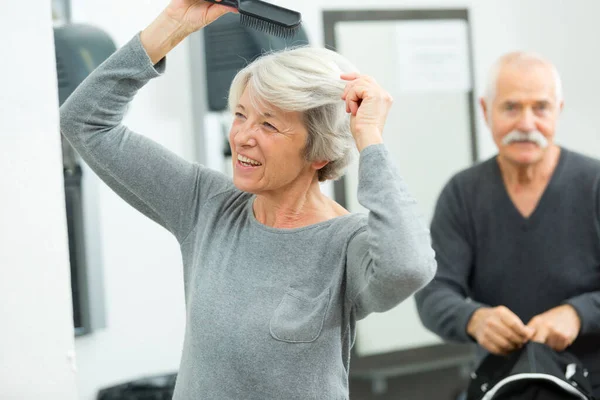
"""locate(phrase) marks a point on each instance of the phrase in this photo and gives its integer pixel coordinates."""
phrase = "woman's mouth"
(247, 162)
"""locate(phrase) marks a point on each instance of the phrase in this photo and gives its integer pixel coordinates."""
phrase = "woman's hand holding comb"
(196, 14)
(180, 19)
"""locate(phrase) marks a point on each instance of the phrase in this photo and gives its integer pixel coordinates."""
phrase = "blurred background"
(91, 292)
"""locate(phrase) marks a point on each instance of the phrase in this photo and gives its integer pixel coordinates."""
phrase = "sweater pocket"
(299, 318)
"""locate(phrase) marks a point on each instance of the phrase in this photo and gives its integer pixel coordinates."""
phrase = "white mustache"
(518, 136)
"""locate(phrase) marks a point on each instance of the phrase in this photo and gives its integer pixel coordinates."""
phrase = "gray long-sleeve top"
(270, 312)
(488, 254)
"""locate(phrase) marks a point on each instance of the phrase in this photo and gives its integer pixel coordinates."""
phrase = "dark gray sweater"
(271, 312)
(489, 254)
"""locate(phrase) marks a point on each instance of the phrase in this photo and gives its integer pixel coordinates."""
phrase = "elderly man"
(517, 237)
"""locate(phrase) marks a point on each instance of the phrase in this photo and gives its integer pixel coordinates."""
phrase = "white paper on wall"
(433, 56)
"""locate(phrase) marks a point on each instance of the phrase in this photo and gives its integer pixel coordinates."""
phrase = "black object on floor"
(158, 387)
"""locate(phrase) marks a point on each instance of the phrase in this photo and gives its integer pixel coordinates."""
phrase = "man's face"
(524, 112)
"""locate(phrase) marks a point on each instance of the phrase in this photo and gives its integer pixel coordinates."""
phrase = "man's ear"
(485, 110)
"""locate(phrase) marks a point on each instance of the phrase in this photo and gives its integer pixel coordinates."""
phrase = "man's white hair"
(525, 60)
(305, 80)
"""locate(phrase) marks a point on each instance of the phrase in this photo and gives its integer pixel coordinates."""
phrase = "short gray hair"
(305, 80)
(523, 59)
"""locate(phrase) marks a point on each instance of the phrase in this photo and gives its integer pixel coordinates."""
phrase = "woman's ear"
(317, 165)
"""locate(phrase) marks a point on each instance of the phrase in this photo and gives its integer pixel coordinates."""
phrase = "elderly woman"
(276, 273)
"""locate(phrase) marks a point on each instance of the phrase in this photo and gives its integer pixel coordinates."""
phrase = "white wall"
(36, 334)
(142, 271)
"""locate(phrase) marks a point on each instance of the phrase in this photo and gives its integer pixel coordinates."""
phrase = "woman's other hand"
(369, 105)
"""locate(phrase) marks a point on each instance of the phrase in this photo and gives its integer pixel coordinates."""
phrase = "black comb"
(265, 17)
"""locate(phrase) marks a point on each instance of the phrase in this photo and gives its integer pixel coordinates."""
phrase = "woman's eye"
(269, 126)
(239, 115)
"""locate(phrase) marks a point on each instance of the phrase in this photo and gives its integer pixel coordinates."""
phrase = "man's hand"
(498, 330)
(557, 327)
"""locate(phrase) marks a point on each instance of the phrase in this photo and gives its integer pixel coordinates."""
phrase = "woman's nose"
(245, 136)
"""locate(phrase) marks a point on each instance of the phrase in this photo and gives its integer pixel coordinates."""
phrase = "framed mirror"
(423, 58)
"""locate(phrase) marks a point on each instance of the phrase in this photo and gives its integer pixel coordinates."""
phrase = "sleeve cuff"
(465, 316)
(374, 148)
(138, 53)
(585, 309)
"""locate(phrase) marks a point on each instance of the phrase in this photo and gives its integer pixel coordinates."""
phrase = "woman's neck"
(295, 208)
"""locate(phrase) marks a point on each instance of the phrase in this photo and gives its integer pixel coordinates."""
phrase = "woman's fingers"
(356, 94)
(350, 76)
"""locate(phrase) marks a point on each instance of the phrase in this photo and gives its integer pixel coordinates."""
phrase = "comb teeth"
(285, 32)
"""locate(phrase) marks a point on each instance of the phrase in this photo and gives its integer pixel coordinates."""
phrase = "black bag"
(152, 388)
(535, 372)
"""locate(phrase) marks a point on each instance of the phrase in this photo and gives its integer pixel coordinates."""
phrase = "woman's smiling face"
(267, 146)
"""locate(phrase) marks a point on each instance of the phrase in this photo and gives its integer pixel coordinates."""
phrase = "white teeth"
(247, 160)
